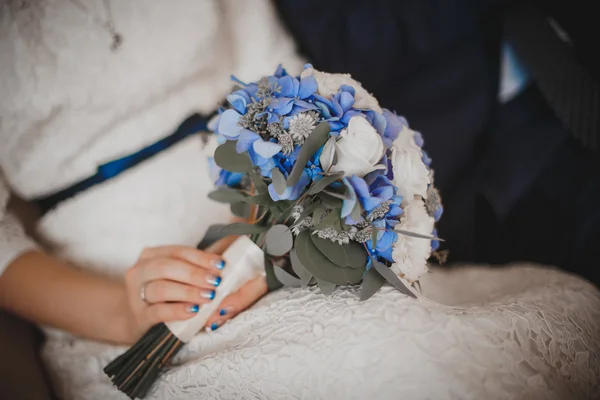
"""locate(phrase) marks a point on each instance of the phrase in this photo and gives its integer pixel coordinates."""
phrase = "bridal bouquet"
(341, 187)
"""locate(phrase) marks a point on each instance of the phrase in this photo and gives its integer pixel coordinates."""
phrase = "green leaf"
(317, 138)
(324, 182)
(242, 228)
(228, 158)
(319, 266)
(331, 220)
(338, 195)
(326, 287)
(330, 201)
(417, 235)
(374, 235)
(279, 240)
(226, 195)
(299, 269)
(372, 282)
(356, 213)
(273, 282)
(318, 214)
(278, 181)
(263, 200)
(308, 210)
(357, 255)
(333, 251)
(392, 278)
(241, 210)
(287, 279)
(259, 184)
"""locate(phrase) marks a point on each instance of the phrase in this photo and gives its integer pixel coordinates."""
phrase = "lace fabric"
(519, 332)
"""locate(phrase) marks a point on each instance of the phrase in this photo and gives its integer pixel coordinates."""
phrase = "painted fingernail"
(223, 311)
(214, 326)
(219, 264)
(209, 294)
(214, 280)
(193, 309)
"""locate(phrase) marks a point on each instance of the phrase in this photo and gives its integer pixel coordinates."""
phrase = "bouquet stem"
(135, 371)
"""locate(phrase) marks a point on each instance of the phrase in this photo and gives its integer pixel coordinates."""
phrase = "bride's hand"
(169, 284)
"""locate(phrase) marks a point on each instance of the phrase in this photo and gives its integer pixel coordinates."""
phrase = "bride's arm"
(46, 291)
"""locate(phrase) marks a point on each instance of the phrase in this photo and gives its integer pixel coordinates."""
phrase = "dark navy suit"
(515, 185)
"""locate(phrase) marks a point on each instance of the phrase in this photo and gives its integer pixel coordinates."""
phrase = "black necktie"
(570, 90)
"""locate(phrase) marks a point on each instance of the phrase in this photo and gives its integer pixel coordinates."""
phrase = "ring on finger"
(143, 293)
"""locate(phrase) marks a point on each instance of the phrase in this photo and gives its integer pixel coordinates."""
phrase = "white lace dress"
(68, 103)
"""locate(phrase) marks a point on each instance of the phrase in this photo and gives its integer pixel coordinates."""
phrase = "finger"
(166, 312)
(185, 253)
(237, 302)
(179, 271)
(161, 291)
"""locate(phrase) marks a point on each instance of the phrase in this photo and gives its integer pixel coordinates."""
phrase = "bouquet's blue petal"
(245, 140)
(296, 87)
(348, 204)
(349, 89)
(346, 101)
(221, 139)
(394, 124)
(419, 139)
(300, 187)
(282, 106)
(435, 244)
(239, 100)
(266, 149)
(348, 115)
(426, 159)
(336, 109)
(335, 126)
(286, 84)
(386, 241)
(384, 192)
(324, 109)
(251, 89)
(304, 105)
(437, 214)
(327, 102)
(228, 125)
(379, 123)
(280, 71)
(308, 87)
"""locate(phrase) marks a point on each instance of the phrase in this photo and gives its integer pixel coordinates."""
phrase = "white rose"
(411, 175)
(358, 149)
(329, 84)
(410, 253)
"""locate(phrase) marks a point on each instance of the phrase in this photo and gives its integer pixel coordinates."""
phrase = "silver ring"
(143, 293)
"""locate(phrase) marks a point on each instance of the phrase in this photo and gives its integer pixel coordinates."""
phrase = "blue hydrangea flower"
(394, 125)
(261, 151)
(337, 110)
(435, 244)
(385, 241)
(293, 94)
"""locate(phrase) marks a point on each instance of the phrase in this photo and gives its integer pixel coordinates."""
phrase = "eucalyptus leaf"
(299, 269)
(374, 234)
(331, 220)
(330, 201)
(357, 255)
(356, 213)
(392, 278)
(308, 210)
(227, 157)
(242, 228)
(287, 279)
(273, 282)
(324, 182)
(333, 251)
(278, 181)
(337, 195)
(372, 282)
(226, 195)
(416, 235)
(326, 287)
(260, 186)
(315, 140)
(241, 210)
(262, 199)
(279, 240)
(318, 214)
(319, 266)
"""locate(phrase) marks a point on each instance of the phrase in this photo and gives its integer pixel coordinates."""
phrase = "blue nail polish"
(214, 326)
(220, 264)
(193, 309)
(222, 312)
(214, 280)
(209, 295)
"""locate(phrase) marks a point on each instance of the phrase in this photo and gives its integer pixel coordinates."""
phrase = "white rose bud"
(358, 149)
(411, 175)
(329, 84)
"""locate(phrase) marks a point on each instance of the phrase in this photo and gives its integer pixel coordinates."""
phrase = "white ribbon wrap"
(244, 261)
